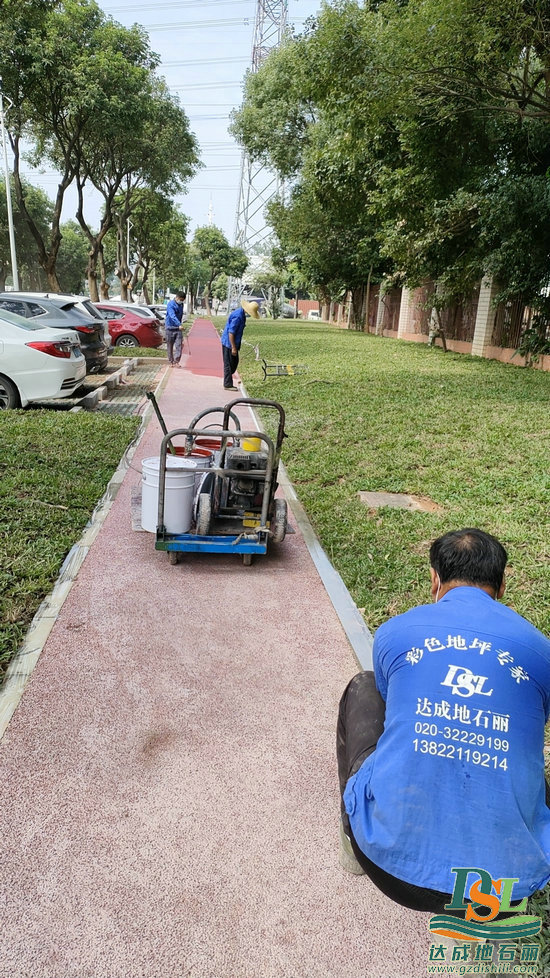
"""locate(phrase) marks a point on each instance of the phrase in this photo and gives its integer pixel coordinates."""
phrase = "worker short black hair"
(471, 556)
(180, 295)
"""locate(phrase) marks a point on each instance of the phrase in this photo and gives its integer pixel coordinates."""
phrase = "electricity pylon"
(258, 185)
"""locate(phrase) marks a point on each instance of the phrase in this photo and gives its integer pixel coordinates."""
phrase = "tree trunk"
(207, 298)
(46, 258)
(367, 301)
(53, 281)
(95, 241)
(103, 284)
(145, 264)
(91, 272)
(356, 309)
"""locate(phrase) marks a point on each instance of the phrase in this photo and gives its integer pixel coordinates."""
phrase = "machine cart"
(235, 510)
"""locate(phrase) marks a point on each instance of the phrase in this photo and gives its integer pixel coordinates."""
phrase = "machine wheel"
(247, 560)
(173, 556)
(279, 521)
(127, 340)
(204, 514)
(9, 395)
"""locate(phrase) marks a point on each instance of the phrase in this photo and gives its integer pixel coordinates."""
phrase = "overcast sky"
(205, 48)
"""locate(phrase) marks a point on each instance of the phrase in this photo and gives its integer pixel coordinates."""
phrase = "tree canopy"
(87, 98)
(213, 249)
(415, 141)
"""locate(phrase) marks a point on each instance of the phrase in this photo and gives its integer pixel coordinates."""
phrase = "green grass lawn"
(54, 467)
(376, 414)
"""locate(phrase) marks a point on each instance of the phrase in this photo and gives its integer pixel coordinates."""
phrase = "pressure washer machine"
(235, 508)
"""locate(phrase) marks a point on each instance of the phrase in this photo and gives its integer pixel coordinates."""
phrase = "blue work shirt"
(457, 777)
(174, 315)
(235, 324)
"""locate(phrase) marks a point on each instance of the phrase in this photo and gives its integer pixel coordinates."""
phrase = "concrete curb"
(21, 666)
(351, 619)
(91, 400)
(353, 623)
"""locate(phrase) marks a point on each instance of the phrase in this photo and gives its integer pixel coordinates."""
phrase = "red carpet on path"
(205, 353)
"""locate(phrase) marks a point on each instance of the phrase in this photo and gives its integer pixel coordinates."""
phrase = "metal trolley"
(235, 510)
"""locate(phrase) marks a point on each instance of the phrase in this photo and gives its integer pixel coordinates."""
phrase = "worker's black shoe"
(231, 388)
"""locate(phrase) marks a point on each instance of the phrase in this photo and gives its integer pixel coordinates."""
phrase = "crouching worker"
(440, 750)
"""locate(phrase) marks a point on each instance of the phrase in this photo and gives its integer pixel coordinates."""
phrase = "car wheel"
(127, 341)
(9, 395)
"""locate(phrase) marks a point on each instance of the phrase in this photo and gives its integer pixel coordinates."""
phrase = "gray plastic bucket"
(203, 459)
(178, 493)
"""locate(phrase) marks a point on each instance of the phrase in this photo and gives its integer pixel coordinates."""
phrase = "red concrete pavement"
(169, 792)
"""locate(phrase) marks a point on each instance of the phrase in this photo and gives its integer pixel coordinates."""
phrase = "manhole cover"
(399, 500)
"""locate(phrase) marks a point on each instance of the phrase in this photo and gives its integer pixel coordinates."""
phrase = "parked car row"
(49, 342)
(62, 312)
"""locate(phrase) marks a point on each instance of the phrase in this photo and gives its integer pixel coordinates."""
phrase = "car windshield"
(29, 324)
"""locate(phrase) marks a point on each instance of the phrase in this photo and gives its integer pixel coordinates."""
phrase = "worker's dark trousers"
(174, 343)
(360, 724)
(230, 364)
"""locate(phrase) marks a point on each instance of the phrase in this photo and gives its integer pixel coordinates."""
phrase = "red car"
(129, 328)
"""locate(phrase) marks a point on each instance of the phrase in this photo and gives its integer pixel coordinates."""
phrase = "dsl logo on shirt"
(463, 682)
(495, 896)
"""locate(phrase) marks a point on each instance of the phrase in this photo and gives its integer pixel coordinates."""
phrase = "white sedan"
(37, 362)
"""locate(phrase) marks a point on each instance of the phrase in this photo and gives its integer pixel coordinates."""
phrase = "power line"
(228, 22)
(202, 61)
(205, 116)
(221, 84)
(180, 4)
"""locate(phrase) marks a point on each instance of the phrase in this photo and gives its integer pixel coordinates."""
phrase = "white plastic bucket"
(178, 493)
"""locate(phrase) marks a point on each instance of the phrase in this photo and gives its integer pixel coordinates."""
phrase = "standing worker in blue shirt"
(173, 325)
(440, 750)
(232, 338)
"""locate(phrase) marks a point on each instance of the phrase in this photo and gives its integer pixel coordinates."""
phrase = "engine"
(243, 490)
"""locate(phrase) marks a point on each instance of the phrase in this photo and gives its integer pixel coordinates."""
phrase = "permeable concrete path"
(169, 791)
